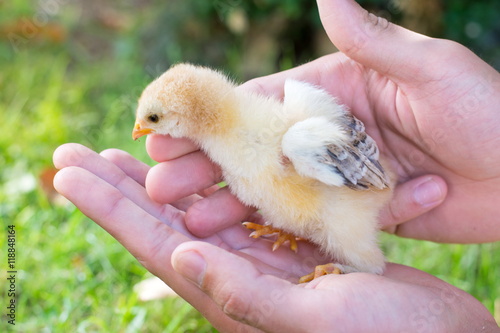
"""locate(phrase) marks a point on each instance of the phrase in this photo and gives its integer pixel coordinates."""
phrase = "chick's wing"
(356, 159)
(330, 144)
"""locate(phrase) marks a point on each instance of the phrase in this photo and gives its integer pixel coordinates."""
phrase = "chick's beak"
(140, 131)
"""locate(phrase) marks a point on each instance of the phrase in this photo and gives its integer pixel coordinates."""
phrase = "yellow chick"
(305, 162)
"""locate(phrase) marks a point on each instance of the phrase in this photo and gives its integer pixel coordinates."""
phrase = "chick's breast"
(260, 175)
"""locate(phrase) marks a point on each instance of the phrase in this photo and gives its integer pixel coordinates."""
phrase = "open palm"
(236, 281)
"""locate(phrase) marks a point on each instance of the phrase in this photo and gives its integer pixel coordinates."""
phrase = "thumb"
(373, 41)
(240, 290)
(411, 200)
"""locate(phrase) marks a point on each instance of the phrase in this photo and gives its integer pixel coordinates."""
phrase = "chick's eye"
(153, 118)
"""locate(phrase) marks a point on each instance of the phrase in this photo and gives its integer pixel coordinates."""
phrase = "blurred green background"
(71, 71)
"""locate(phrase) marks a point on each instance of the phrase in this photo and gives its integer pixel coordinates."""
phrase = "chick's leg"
(321, 270)
(261, 230)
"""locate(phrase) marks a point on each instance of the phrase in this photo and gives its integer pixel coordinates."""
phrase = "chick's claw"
(321, 270)
(262, 230)
(283, 237)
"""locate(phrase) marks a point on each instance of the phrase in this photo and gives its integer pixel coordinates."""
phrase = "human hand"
(430, 104)
(235, 281)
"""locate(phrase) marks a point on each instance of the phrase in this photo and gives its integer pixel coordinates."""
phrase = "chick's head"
(185, 101)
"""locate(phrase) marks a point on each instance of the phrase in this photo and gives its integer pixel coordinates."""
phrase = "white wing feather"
(331, 145)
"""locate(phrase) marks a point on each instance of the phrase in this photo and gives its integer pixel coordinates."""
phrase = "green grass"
(74, 277)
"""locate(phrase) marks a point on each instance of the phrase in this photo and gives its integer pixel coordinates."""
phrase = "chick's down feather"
(305, 162)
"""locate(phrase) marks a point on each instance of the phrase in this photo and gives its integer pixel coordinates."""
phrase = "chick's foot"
(321, 270)
(262, 230)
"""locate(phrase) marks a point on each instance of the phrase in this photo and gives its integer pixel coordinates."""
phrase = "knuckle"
(157, 247)
(216, 173)
(395, 214)
(374, 25)
(370, 28)
(236, 305)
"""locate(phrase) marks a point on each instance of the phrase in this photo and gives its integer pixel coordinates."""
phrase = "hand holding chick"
(306, 162)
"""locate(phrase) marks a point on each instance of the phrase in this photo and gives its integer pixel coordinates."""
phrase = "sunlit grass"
(72, 276)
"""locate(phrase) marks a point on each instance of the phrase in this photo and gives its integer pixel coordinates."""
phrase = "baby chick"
(305, 162)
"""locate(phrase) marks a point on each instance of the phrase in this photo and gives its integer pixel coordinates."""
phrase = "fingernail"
(428, 193)
(192, 266)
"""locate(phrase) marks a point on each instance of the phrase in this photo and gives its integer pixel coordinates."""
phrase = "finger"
(164, 148)
(132, 167)
(138, 171)
(216, 212)
(141, 233)
(209, 190)
(172, 180)
(373, 41)
(412, 199)
(70, 155)
(240, 290)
